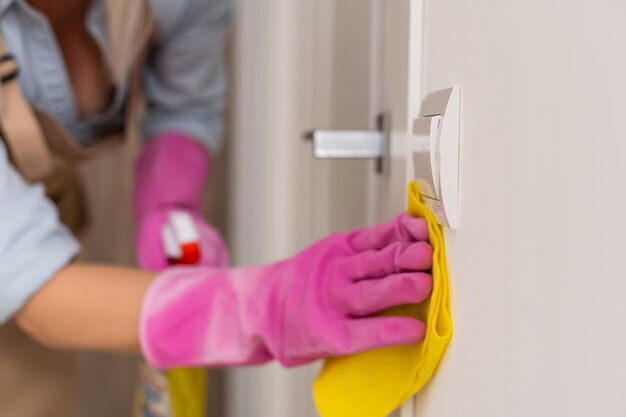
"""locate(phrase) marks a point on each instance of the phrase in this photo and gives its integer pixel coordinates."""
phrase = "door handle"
(355, 144)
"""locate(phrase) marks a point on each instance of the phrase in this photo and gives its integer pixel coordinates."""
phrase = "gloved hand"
(322, 302)
(169, 175)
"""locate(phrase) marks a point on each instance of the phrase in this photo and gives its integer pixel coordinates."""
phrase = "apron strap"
(24, 137)
(130, 26)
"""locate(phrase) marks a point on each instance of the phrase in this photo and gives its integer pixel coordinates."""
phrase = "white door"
(374, 49)
(377, 70)
(301, 65)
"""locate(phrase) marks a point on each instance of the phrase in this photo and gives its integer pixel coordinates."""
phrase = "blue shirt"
(184, 86)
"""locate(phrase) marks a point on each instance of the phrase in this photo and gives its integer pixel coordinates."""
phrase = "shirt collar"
(5, 4)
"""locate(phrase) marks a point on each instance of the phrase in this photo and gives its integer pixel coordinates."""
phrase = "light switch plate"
(435, 154)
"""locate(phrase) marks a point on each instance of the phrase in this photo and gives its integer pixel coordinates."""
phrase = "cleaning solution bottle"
(178, 392)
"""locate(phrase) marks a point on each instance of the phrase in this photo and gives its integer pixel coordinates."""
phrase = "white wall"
(537, 264)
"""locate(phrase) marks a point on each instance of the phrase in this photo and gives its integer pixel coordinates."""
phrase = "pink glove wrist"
(322, 302)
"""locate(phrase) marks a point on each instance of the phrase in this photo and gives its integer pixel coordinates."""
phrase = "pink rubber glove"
(170, 174)
(322, 302)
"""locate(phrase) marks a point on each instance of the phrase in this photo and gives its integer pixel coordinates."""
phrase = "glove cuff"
(191, 316)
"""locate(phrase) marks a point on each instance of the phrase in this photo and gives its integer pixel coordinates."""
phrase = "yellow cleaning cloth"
(374, 383)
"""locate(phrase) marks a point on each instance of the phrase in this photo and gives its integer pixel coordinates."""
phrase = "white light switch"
(435, 154)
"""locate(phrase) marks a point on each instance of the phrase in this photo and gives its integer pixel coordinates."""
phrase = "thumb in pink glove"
(170, 174)
(322, 302)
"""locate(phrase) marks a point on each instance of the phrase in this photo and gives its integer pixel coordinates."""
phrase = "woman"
(77, 61)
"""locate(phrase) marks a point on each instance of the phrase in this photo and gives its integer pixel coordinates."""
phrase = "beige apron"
(35, 381)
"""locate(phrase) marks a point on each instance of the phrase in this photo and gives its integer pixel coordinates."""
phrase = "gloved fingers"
(377, 332)
(417, 257)
(371, 296)
(394, 258)
(403, 228)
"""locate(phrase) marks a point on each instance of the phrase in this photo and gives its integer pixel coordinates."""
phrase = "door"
(390, 68)
(301, 65)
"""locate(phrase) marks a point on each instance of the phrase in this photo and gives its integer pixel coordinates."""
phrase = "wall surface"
(537, 264)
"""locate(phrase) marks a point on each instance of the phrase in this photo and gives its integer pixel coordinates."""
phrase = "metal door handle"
(355, 144)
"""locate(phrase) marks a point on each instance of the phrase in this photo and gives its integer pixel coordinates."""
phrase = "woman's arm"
(88, 307)
(185, 77)
(58, 303)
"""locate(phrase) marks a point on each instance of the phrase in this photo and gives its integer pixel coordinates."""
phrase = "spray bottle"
(178, 392)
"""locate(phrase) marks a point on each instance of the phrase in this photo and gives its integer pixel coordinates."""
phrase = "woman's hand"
(150, 246)
(169, 176)
(322, 302)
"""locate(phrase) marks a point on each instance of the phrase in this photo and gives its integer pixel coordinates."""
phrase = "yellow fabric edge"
(339, 390)
(439, 319)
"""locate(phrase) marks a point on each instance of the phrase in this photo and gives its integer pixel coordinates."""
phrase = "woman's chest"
(64, 67)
